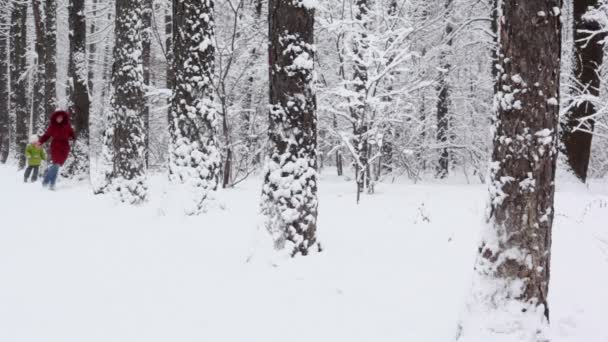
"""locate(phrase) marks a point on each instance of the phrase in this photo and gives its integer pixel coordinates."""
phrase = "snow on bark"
(511, 278)
(4, 93)
(50, 62)
(289, 195)
(194, 158)
(18, 66)
(361, 124)
(39, 108)
(124, 138)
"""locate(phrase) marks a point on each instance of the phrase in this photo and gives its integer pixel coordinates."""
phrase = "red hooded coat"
(60, 133)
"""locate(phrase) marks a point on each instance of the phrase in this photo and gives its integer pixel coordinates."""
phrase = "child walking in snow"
(35, 155)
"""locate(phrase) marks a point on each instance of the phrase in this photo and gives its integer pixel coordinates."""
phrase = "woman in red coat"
(60, 131)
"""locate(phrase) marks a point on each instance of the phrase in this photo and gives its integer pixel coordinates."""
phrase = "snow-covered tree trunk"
(194, 157)
(147, 57)
(50, 56)
(358, 111)
(18, 65)
(92, 49)
(125, 137)
(509, 299)
(289, 196)
(443, 101)
(4, 79)
(38, 98)
(169, 75)
(78, 165)
(588, 58)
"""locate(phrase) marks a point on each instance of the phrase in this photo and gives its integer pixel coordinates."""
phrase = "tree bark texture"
(290, 184)
(513, 264)
(124, 139)
(443, 100)
(38, 98)
(50, 56)
(358, 112)
(80, 102)
(194, 158)
(147, 58)
(4, 79)
(18, 96)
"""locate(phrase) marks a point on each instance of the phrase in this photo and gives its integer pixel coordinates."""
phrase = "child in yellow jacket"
(35, 155)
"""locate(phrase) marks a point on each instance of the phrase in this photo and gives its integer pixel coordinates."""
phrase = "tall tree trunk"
(92, 48)
(289, 195)
(50, 56)
(4, 79)
(18, 66)
(38, 98)
(512, 271)
(443, 102)
(588, 58)
(147, 57)
(360, 125)
(248, 125)
(78, 89)
(124, 139)
(194, 156)
(170, 77)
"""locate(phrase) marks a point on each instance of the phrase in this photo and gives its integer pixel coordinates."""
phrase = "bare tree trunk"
(289, 195)
(78, 84)
(38, 98)
(588, 59)
(512, 271)
(18, 80)
(4, 79)
(50, 56)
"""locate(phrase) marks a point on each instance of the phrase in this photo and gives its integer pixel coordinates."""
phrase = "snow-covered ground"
(75, 267)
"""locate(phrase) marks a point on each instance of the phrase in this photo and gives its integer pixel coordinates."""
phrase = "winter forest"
(329, 170)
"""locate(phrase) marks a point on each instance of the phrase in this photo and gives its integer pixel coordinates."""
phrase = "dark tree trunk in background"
(38, 91)
(443, 102)
(147, 57)
(194, 158)
(18, 35)
(588, 58)
(92, 48)
(514, 258)
(4, 79)
(78, 89)
(124, 139)
(289, 199)
(50, 56)
(170, 77)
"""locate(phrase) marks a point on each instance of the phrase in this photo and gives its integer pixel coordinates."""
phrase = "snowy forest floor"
(75, 267)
